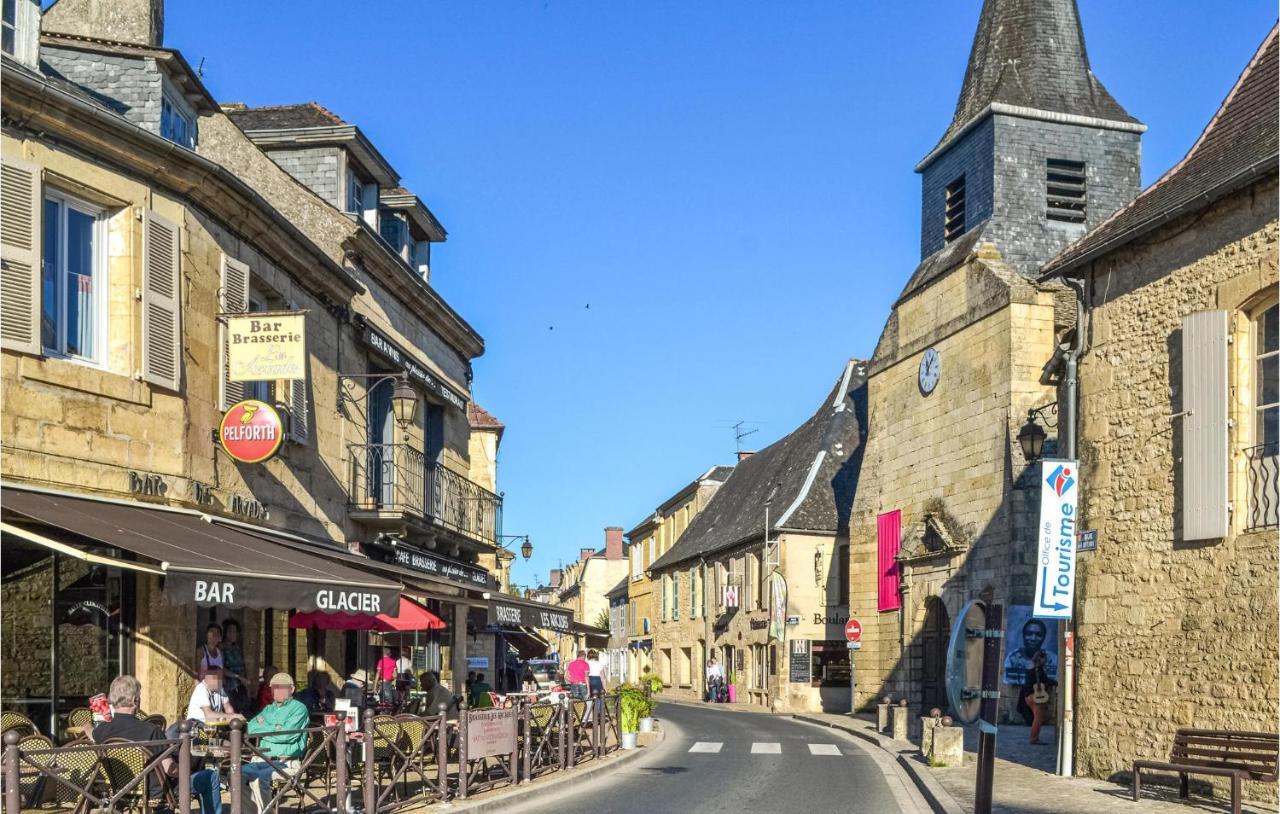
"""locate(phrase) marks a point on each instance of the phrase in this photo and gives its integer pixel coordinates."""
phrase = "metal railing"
(1263, 473)
(397, 477)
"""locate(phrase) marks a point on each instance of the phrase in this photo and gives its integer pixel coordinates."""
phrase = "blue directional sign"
(1056, 546)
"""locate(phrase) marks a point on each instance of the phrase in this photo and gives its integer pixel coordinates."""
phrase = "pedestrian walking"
(1035, 692)
(595, 673)
(578, 671)
(715, 681)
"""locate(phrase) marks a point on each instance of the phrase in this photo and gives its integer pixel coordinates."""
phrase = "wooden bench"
(1238, 755)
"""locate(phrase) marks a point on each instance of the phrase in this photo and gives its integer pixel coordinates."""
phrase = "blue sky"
(728, 186)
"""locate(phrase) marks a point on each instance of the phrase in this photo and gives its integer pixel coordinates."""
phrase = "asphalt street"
(716, 760)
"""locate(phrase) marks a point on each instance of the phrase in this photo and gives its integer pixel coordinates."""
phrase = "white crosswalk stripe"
(824, 749)
(766, 748)
(710, 747)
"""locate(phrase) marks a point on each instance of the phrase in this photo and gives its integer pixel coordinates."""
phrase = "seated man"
(480, 693)
(317, 697)
(437, 695)
(124, 696)
(278, 724)
(207, 703)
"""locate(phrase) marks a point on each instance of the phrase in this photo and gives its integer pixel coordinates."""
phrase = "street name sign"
(1056, 549)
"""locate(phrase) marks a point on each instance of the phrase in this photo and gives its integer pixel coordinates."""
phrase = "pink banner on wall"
(889, 539)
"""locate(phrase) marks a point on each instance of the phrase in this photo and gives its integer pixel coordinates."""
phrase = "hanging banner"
(777, 606)
(266, 346)
(1056, 551)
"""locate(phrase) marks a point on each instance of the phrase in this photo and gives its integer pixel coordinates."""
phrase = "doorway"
(933, 642)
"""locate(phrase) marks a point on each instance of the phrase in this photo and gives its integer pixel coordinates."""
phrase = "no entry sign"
(853, 630)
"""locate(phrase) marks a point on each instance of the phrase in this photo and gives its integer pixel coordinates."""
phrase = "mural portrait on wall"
(1024, 636)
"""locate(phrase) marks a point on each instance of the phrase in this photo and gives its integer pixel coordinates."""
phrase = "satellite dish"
(964, 661)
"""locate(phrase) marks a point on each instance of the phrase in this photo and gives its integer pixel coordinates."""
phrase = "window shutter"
(1204, 426)
(20, 236)
(299, 405)
(161, 303)
(234, 299)
(889, 542)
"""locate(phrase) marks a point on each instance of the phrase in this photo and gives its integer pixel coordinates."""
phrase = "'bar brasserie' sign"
(266, 346)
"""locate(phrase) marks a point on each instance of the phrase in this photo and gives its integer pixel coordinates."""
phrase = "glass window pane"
(10, 11)
(79, 291)
(1269, 427)
(49, 277)
(1269, 329)
(1268, 380)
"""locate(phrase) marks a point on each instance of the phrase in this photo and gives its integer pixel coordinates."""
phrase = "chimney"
(743, 455)
(584, 554)
(613, 542)
(140, 22)
(555, 578)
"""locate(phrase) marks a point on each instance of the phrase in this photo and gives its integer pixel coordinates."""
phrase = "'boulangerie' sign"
(266, 346)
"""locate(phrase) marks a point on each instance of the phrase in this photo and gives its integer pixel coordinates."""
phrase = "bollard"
(928, 723)
(369, 786)
(462, 750)
(442, 751)
(947, 746)
(339, 764)
(882, 717)
(236, 777)
(12, 775)
(184, 767)
(901, 719)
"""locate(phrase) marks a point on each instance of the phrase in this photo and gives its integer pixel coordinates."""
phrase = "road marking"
(766, 748)
(824, 749)
(707, 746)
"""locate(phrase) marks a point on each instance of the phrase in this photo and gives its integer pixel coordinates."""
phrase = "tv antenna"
(739, 434)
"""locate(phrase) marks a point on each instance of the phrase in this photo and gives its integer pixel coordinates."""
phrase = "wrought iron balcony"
(394, 482)
(1264, 486)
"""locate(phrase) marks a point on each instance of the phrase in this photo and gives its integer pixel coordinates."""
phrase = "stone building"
(583, 589)
(1179, 425)
(759, 578)
(136, 212)
(649, 540)
(618, 653)
(1037, 153)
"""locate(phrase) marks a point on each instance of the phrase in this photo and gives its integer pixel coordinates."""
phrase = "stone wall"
(1172, 634)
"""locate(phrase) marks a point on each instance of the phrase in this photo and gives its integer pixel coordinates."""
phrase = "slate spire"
(1030, 54)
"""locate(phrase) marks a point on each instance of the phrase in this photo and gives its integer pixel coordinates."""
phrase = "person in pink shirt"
(386, 672)
(577, 671)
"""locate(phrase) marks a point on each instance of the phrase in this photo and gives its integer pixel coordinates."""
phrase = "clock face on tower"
(930, 370)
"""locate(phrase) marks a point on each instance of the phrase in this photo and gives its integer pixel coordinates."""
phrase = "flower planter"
(629, 740)
(646, 724)
(733, 694)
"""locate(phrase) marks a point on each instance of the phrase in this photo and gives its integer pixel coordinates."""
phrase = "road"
(719, 760)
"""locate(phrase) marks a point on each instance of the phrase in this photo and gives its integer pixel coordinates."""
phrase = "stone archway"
(933, 663)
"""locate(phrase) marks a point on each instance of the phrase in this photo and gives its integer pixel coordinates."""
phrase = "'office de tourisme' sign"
(1056, 553)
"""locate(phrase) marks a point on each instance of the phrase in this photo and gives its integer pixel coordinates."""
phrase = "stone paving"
(1025, 782)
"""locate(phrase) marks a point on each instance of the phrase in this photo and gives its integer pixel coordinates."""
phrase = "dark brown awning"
(510, 611)
(208, 564)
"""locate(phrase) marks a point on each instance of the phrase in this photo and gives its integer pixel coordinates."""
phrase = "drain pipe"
(1068, 434)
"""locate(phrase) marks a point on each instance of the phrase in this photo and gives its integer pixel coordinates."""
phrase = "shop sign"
(801, 661)
(147, 484)
(759, 624)
(393, 353)
(249, 592)
(831, 619)
(440, 567)
(266, 346)
(477, 662)
(508, 614)
(491, 733)
(1056, 553)
(251, 431)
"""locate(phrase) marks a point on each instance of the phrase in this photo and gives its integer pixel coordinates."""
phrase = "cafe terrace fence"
(412, 760)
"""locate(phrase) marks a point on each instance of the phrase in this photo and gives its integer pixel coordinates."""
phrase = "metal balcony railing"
(1264, 486)
(463, 506)
(397, 478)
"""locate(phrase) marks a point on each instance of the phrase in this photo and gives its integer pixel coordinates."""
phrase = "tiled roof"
(1238, 146)
(1031, 54)
(482, 419)
(808, 478)
(283, 117)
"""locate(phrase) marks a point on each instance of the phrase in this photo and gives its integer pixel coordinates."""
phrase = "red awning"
(411, 616)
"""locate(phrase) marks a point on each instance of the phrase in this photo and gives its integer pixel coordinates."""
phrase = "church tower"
(1038, 151)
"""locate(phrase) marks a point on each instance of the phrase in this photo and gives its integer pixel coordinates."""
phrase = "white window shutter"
(233, 299)
(20, 238)
(161, 303)
(299, 404)
(1204, 426)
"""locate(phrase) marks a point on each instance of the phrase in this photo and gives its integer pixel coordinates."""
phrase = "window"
(675, 595)
(394, 231)
(20, 31)
(693, 592)
(838, 577)
(666, 580)
(637, 564)
(176, 124)
(355, 194)
(73, 299)
(9, 25)
(1263, 457)
(760, 671)
(1064, 190)
(953, 210)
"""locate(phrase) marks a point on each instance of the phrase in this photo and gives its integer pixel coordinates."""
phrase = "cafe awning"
(203, 563)
(509, 611)
(409, 616)
(527, 643)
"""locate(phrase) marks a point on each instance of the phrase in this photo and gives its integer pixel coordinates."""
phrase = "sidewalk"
(1024, 778)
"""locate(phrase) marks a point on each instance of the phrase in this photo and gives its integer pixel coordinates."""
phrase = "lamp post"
(1031, 437)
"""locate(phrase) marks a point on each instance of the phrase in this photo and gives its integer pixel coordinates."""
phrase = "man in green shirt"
(278, 724)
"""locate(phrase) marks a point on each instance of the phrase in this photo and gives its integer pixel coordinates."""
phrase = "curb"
(939, 799)
(529, 792)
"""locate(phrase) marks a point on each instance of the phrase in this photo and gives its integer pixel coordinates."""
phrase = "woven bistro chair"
(387, 736)
(121, 764)
(31, 783)
(413, 731)
(78, 717)
(156, 719)
(80, 769)
(16, 720)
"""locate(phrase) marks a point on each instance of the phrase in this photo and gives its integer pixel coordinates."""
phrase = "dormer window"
(177, 124)
(362, 199)
(395, 231)
(953, 210)
(20, 31)
(355, 194)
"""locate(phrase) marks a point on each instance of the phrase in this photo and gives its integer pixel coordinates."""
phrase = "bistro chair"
(31, 782)
(156, 719)
(16, 720)
(387, 736)
(80, 770)
(123, 762)
(414, 733)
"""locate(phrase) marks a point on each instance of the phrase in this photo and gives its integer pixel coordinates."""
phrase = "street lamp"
(404, 404)
(1031, 436)
(527, 549)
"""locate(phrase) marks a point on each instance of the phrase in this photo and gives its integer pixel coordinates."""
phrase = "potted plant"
(633, 705)
(652, 685)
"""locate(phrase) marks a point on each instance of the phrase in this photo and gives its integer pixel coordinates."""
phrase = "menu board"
(801, 661)
(490, 732)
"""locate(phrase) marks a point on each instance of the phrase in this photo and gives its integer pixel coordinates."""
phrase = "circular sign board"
(853, 630)
(964, 662)
(251, 431)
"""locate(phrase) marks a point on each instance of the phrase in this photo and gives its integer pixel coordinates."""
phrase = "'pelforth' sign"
(251, 431)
